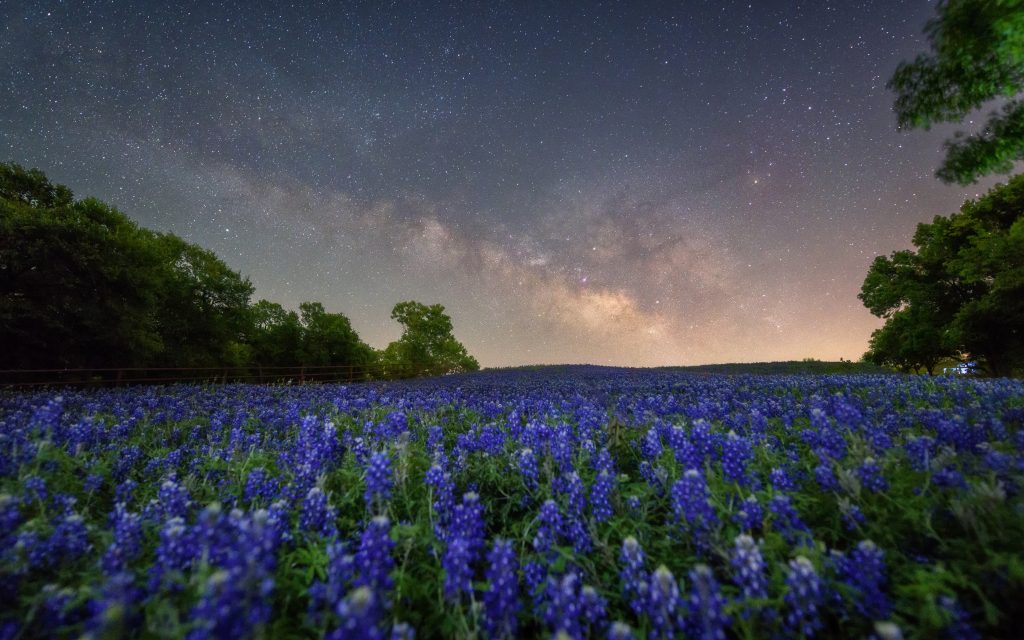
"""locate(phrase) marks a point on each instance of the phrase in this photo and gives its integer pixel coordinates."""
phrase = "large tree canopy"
(427, 346)
(961, 291)
(977, 56)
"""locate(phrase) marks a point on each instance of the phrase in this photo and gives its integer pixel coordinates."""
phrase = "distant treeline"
(83, 286)
(789, 367)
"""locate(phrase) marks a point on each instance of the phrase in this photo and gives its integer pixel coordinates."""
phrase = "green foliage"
(427, 346)
(977, 55)
(328, 338)
(961, 291)
(82, 286)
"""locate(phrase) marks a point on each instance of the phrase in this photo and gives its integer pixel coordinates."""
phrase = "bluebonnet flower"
(173, 501)
(442, 490)
(457, 563)
(260, 487)
(35, 488)
(864, 570)
(10, 517)
(318, 517)
(870, 475)
(115, 608)
(633, 503)
(948, 477)
(565, 606)
(826, 477)
(535, 574)
(780, 480)
(750, 516)
(736, 452)
(231, 604)
(70, 538)
(803, 597)
(550, 525)
(373, 560)
(787, 521)
(92, 483)
(665, 605)
(650, 446)
(360, 613)
(620, 631)
(692, 509)
(125, 491)
(749, 568)
(594, 610)
(378, 482)
(127, 540)
(959, 627)
(527, 463)
(576, 499)
(706, 619)
(174, 551)
(634, 575)
(655, 477)
(501, 600)
(852, 516)
(599, 494)
(920, 450)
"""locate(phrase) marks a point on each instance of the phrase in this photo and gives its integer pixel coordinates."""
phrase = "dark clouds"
(637, 183)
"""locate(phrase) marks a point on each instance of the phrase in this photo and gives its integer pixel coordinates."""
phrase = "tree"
(203, 306)
(329, 339)
(78, 280)
(427, 345)
(977, 56)
(275, 335)
(961, 291)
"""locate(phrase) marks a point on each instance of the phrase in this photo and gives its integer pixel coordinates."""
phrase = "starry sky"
(621, 183)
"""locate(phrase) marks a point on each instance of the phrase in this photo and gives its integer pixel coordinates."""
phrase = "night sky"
(614, 183)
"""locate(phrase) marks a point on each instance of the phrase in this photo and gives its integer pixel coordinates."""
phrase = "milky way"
(623, 183)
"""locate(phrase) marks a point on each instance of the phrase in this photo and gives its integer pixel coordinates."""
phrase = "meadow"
(576, 502)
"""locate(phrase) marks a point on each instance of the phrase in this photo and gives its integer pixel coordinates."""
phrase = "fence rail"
(117, 376)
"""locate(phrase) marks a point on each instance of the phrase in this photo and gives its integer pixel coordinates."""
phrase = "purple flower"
(373, 561)
(527, 463)
(633, 574)
(748, 568)
(736, 452)
(787, 521)
(378, 482)
(750, 517)
(127, 540)
(706, 619)
(803, 597)
(501, 600)
(360, 613)
(664, 605)
(620, 631)
(864, 570)
(870, 475)
(318, 517)
(599, 494)
(550, 525)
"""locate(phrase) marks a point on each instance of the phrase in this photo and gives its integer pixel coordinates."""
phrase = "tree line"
(83, 286)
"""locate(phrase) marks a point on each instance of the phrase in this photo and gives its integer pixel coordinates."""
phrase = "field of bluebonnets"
(575, 502)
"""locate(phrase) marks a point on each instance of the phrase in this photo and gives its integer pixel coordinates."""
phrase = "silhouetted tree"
(427, 345)
(961, 291)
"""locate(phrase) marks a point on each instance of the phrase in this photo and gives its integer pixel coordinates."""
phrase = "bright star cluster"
(618, 183)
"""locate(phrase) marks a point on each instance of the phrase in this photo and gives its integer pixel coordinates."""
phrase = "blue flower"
(803, 597)
(501, 600)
